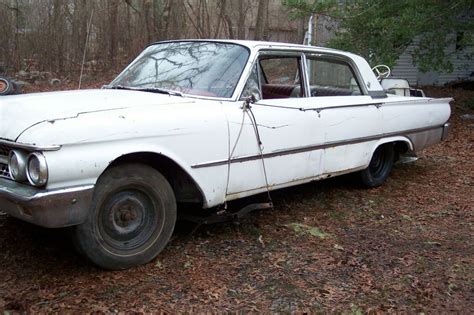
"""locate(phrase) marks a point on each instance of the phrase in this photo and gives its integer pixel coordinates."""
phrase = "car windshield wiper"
(149, 89)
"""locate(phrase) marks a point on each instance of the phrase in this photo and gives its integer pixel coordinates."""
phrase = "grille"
(4, 151)
(4, 172)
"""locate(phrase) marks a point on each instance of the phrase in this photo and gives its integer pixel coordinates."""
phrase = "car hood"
(20, 112)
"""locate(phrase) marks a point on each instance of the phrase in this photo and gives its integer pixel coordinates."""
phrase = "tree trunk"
(113, 13)
(241, 23)
(17, 51)
(58, 32)
(262, 20)
(148, 16)
(176, 27)
(158, 19)
(300, 31)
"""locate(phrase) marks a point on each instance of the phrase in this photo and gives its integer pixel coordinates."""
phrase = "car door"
(350, 117)
(271, 140)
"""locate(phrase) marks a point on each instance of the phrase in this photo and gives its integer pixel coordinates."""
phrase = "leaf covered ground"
(328, 246)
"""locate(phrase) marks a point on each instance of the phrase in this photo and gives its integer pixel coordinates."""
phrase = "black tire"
(131, 218)
(379, 167)
(6, 86)
(16, 88)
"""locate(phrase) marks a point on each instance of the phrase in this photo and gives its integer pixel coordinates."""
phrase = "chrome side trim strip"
(318, 109)
(29, 147)
(313, 147)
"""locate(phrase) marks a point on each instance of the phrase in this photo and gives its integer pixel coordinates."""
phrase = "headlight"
(37, 170)
(17, 165)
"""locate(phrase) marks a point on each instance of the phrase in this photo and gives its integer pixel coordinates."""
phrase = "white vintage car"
(203, 122)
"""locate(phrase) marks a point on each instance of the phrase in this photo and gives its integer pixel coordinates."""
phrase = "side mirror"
(255, 96)
(251, 99)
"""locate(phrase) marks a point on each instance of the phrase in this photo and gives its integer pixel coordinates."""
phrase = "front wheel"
(379, 167)
(131, 219)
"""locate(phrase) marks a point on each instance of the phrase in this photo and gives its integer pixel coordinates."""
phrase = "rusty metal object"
(8, 87)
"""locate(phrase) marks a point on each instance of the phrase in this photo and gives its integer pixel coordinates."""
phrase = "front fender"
(82, 164)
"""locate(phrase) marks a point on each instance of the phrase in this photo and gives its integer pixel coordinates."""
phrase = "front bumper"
(47, 208)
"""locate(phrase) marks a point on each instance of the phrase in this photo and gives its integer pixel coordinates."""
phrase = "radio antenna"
(89, 27)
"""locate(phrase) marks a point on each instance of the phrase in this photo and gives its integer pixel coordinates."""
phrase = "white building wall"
(463, 67)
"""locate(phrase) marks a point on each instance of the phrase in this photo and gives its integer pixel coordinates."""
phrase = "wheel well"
(400, 147)
(185, 188)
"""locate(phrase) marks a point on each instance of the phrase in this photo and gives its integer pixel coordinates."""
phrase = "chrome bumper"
(446, 128)
(48, 208)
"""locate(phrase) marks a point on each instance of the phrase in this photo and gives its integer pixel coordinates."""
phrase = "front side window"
(281, 77)
(252, 87)
(196, 68)
(331, 78)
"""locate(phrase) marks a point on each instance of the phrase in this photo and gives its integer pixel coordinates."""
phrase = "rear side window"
(280, 70)
(331, 78)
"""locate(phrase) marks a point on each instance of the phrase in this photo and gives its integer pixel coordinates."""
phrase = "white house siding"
(463, 68)
(463, 65)
(404, 68)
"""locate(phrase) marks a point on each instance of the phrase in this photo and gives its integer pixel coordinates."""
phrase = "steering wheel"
(381, 71)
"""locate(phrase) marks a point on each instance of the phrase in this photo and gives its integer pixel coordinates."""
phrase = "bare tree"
(113, 23)
(50, 35)
(262, 20)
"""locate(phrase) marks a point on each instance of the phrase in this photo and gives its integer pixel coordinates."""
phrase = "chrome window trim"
(277, 53)
(307, 86)
(346, 60)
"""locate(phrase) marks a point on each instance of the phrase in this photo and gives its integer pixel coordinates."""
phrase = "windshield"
(197, 68)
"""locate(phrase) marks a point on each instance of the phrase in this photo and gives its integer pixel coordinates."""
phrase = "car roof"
(253, 44)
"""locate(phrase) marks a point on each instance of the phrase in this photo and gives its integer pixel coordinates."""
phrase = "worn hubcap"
(127, 214)
(128, 219)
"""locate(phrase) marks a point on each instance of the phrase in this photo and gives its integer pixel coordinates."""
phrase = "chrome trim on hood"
(29, 147)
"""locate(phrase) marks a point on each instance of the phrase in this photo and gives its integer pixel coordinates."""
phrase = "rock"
(46, 74)
(20, 83)
(467, 117)
(22, 73)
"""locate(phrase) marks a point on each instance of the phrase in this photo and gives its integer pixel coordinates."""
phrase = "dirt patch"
(327, 246)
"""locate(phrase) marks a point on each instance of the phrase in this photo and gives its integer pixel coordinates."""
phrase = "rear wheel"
(379, 167)
(131, 219)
